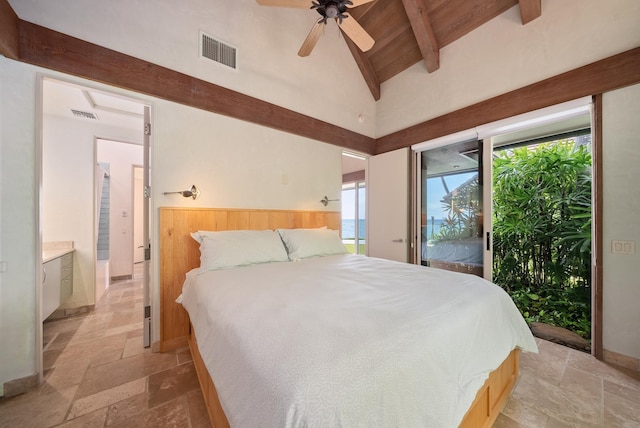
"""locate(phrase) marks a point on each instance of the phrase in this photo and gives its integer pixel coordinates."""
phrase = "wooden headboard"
(179, 253)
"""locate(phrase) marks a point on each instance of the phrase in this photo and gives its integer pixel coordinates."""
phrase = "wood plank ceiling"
(409, 31)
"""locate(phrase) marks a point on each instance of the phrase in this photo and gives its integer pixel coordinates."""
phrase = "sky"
(348, 201)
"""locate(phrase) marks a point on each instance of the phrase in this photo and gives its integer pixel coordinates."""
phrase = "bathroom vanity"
(57, 275)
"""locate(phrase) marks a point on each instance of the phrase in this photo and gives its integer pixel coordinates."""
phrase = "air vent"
(217, 51)
(84, 114)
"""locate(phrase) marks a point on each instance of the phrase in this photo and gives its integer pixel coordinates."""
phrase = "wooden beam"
(601, 76)
(530, 10)
(360, 11)
(363, 63)
(423, 31)
(56, 51)
(353, 177)
(454, 19)
(9, 31)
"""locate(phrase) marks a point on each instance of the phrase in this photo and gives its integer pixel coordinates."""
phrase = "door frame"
(135, 208)
(416, 196)
(483, 132)
(41, 78)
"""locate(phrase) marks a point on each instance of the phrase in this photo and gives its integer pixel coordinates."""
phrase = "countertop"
(53, 250)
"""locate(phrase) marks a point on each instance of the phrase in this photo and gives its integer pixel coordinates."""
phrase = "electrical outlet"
(623, 247)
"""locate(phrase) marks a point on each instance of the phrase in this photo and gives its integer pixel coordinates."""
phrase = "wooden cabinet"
(57, 283)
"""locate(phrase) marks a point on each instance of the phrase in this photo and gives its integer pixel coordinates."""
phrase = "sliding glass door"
(452, 226)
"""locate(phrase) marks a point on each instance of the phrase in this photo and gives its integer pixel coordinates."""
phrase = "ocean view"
(349, 228)
(349, 225)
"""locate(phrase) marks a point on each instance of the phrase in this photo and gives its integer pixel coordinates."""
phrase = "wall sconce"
(325, 201)
(194, 192)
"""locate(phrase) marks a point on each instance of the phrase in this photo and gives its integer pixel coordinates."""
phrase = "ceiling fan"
(335, 9)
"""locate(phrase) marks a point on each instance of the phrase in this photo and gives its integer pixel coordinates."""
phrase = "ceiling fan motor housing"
(331, 9)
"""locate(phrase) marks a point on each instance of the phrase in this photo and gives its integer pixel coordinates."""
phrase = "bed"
(347, 369)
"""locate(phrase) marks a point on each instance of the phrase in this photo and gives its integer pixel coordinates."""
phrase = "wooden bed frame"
(180, 253)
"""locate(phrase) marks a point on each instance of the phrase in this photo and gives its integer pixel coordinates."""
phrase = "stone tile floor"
(97, 374)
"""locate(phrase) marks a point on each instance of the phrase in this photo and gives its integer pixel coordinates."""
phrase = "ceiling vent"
(217, 51)
(84, 114)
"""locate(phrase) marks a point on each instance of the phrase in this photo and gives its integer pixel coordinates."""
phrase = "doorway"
(138, 217)
(542, 201)
(353, 203)
(118, 211)
(73, 119)
(463, 198)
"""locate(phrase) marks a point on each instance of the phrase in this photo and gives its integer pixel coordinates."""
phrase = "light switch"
(623, 247)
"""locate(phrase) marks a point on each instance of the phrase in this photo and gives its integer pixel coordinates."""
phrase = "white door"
(145, 229)
(388, 206)
(138, 214)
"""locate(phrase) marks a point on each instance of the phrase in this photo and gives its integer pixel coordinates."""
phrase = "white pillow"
(232, 248)
(304, 243)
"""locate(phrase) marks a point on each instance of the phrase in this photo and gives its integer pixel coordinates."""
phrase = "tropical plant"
(542, 231)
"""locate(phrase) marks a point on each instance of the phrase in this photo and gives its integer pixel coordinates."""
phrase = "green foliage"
(542, 232)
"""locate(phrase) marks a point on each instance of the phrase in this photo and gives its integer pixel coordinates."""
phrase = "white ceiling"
(352, 164)
(60, 98)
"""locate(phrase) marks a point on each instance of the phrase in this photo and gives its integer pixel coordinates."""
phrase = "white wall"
(503, 55)
(68, 192)
(235, 164)
(17, 231)
(621, 200)
(121, 157)
(327, 85)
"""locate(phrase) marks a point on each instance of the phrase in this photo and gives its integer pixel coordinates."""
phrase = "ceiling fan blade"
(359, 2)
(301, 4)
(356, 33)
(311, 40)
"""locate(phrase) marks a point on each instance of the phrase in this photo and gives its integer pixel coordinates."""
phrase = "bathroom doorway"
(74, 118)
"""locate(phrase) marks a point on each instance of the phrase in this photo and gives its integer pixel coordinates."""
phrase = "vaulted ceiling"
(410, 31)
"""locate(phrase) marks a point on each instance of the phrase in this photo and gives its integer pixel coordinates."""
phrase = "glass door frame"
(486, 180)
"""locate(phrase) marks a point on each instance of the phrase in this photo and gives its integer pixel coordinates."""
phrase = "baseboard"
(70, 312)
(622, 360)
(19, 386)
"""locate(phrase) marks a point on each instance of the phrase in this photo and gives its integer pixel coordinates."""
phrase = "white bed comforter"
(349, 341)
